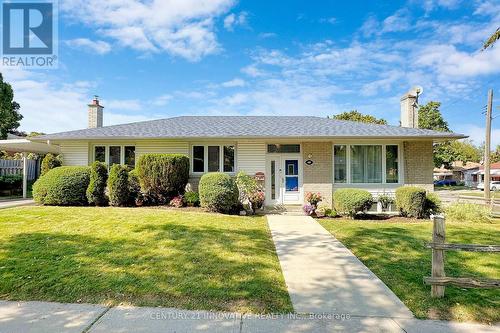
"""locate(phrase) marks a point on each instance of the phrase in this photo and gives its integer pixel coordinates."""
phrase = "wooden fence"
(439, 280)
(15, 167)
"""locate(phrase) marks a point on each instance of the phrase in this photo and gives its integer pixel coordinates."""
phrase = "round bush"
(63, 186)
(218, 192)
(118, 185)
(411, 201)
(163, 176)
(49, 162)
(350, 201)
(96, 192)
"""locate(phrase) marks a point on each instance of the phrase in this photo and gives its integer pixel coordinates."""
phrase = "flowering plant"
(308, 209)
(177, 201)
(313, 198)
(257, 199)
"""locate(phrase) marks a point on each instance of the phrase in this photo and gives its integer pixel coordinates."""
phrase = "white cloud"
(430, 5)
(162, 100)
(399, 21)
(478, 134)
(91, 46)
(447, 60)
(182, 28)
(123, 104)
(237, 82)
(49, 105)
(232, 20)
(265, 35)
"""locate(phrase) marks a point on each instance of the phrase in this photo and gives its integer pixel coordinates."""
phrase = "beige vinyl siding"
(161, 147)
(75, 153)
(251, 157)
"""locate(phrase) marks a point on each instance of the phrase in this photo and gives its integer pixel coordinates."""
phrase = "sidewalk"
(16, 203)
(323, 276)
(45, 317)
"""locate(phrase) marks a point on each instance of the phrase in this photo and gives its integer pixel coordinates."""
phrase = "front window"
(213, 158)
(100, 154)
(287, 148)
(391, 164)
(366, 164)
(129, 156)
(340, 163)
(114, 155)
(124, 155)
(228, 158)
(198, 158)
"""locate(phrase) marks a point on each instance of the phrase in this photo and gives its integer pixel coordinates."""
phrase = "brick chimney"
(409, 110)
(95, 113)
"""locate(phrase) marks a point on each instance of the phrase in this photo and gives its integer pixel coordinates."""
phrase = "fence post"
(438, 237)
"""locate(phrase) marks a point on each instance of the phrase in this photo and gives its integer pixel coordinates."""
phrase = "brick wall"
(317, 177)
(418, 164)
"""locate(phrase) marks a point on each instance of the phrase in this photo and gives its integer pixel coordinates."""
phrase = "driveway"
(323, 276)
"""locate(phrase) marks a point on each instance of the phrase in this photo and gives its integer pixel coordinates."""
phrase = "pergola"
(26, 146)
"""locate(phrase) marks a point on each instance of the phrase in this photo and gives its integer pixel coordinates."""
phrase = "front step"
(292, 210)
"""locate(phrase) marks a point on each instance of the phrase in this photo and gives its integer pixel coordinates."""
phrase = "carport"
(26, 146)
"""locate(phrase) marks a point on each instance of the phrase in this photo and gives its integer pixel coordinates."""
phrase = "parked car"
(445, 182)
(494, 186)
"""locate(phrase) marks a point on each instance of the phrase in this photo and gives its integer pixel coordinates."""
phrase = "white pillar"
(25, 175)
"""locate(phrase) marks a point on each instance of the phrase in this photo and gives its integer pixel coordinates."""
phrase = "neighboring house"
(293, 154)
(478, 175)
(459, 172)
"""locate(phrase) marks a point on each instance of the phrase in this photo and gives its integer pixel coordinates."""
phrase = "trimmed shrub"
(410, 201)
(49, 162)
(192, 198)
(63, 186)
(134, 188)
(433, 204)
(468, 212)
(163, 176)
(350, 201)
(96, 192)
(11, 182)
(218, 192)
(118, 185)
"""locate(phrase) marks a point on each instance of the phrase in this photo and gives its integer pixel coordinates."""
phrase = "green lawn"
(140, 256)
(493, 194)
(395, 252)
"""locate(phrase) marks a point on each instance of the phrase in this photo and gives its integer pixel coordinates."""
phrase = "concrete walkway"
(323, 276)
(16, 203)
(45, 317)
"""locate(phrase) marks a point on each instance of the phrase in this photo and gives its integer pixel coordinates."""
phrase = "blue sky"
(158, 59)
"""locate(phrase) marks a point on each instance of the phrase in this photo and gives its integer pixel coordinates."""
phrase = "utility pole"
(487, 149)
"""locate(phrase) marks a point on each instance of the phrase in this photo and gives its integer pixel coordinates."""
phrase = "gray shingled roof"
(248, 127)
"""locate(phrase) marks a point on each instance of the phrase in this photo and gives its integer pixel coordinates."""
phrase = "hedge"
(350, 201)
(134, 188)
(411, 201)
(218, 192)
(11, 182)
(96, 192)
(49, 162)
(162, 176)
(63, 186)
(118, 186)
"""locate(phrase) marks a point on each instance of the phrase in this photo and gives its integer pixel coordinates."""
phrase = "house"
(459, 172)
(290, 154)
(478, 175)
